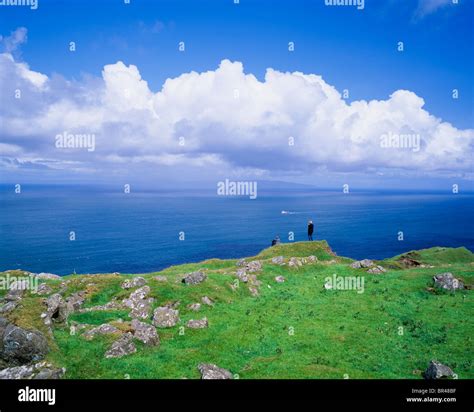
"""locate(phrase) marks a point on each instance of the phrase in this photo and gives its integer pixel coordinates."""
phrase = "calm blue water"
(139, 232)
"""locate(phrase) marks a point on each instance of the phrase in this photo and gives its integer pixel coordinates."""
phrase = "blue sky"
(351, 49)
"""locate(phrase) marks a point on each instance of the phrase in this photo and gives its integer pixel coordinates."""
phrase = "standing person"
(310, 229)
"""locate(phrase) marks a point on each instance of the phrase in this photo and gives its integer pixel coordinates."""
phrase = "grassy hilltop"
(266, 329)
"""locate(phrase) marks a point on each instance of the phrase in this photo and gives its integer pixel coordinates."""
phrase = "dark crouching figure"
(276, 241)
(310, 230)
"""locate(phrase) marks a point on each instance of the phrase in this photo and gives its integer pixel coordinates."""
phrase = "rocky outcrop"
(160, 278)
(41, 370)
(145, 333)
(134, 283)
(19, 346)
(139, 303)
(211, 371)
(437, 370)
(165, 317)
(194, 278)
(207, 301)
(447, 281)
(121, 347)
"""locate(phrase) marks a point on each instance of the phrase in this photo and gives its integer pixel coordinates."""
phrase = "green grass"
(296, 329)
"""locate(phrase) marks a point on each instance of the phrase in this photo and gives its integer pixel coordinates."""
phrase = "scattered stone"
(139, 304)
(197, 324)
(376, 270)
(44, 289)
(211, 371)
(19, 346)
(136, 282)
(41, 370)
(161, 278)
(165, 317)
(121, 347)
(194, 306)
(194, 278)
(278, 260)
(294, 262)
(145, 333)
(447, 281)
(207, 301)
(241, 262)
(242, 275)
(104, 329)
(280, 279)
(365, 263)
(312, 259)
(437, 370)
(253, 266)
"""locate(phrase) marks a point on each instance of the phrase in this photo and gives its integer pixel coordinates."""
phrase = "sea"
(82, 229)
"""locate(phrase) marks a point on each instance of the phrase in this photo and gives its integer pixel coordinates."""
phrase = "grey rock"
(44, 289)
(447, 281)
(136, 282)
(211, 371)
(139, 304)
(161, 278)
(207, 301)
(376, 270)
(242, 275)
(198, 324)
(278, 260)
(145, 333)
(194, 306)
(312, 259)
(241, 262)
(437, 370)
(365, 263)
(22, 346)
(121, 347)
(194, 278)
(253, 266)
(75, 301)
(104, 329)
(57, 310)
(165, 317)
(294, 262)
(280, 279)
(9, 306)
(41, 370)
